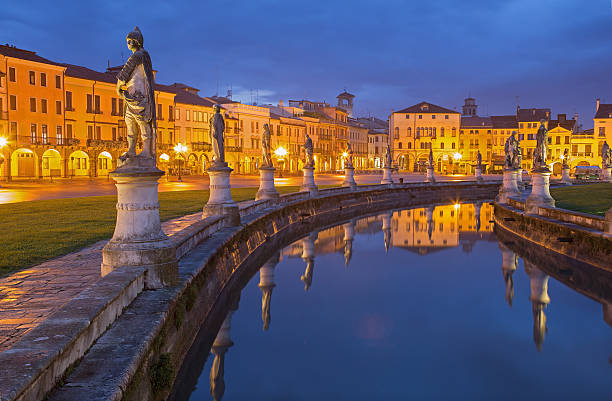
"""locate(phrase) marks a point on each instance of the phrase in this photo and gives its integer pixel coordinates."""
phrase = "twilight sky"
(390, 54)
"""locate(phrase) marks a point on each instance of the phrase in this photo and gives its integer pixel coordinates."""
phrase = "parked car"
(587, 172)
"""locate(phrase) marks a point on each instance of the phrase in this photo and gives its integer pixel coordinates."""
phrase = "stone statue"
(388, 157)
(136, 85)
(349, 156)
(430, 162)
(606, 155)
(308, 147)
(566, 158)
(265, 147)
(217, 128)
(479, 160)
(512, 151)
(539, 153)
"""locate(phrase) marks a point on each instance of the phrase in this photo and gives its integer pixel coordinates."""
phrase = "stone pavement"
(30, 296)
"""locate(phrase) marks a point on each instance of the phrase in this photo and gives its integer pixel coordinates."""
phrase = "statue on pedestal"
(265, 147)
(388, 157)
(349, 156)
(309, 149)
(217, 128)
(606, 155)
(430, 161)
(565, 158)
(479, 160)
(512, 151)
(539, 153)
(136, 85)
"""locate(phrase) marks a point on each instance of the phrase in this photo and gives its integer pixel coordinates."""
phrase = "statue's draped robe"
(539, 153)
(137, 73)
(217, 127)
(265, 148)
(309, 152)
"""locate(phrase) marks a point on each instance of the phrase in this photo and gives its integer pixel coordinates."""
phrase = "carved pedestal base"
(138, 239)
(220, 202)
(308, 183)
(509, 188)
(565, 177)
(349, 178)
(606, 174)
(387, 179)
(540, 191)
(519, 179)
(478, 174)
(430, 175)
(266, 184)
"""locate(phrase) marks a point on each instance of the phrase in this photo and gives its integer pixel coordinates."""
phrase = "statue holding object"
(217, 129)
(265, 147)
(309, 149)
(539, 153)
(349, 156)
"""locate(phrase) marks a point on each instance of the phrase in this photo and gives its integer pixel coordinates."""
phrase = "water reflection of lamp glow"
(266, 284)
(539, 300)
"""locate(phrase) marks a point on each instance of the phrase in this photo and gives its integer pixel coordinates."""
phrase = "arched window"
(418, 132)
(396, 132)
(409, 145)
(400, 145)
(442, 132)
(454, 131)
(442, 145)
(409, 132)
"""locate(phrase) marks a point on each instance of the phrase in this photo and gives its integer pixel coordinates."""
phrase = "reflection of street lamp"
(180, 149)
(280, 153)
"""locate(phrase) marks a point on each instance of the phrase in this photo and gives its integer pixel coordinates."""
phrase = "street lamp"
(180, 149)
(280, 153)
(457, 156)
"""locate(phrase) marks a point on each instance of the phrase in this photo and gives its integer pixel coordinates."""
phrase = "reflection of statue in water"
(512, 151)
(539, 324)
(307, 276)
(308, 257)
(217, 128)
(349, 156)
(309, 149)
(348, 252)
(606, 155)
(266, 285)
(136, 85)
(539, 299)
(509, 265)
(388, 157)
(220, 346)
(509, 285)
(265, 147)
(539, 153)
(386, 228)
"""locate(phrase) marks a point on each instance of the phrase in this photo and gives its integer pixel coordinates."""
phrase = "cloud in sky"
(549, 53)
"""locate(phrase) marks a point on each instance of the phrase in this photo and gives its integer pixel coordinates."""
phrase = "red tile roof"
(14, 52)
(524, 115)
(604, 111)
(425, 107)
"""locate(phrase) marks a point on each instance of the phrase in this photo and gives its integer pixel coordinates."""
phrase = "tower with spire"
(469, 107)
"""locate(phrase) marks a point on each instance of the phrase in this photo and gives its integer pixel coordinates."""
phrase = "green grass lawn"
(593, 198)
(35, 231)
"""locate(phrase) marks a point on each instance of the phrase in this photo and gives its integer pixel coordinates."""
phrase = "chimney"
(597, 108)
(561, 117)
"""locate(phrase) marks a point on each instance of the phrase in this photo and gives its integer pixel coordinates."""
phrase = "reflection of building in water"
(509, 263)
(425, 230)
(308, 257)
(220, 346)
(349, 234)
(266, 284)
(539, 300)
(386, 228)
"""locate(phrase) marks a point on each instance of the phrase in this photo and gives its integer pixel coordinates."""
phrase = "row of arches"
(25, 163)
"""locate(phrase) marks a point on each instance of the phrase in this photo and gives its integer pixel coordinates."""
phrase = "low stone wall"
(579, 236)
(214, 258)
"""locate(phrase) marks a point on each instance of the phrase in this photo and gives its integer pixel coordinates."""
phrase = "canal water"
(422, 304)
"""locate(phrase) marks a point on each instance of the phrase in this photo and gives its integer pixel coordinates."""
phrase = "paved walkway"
(30, 296)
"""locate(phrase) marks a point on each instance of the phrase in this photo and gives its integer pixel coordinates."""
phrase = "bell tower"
(469, 107)
(345, 102)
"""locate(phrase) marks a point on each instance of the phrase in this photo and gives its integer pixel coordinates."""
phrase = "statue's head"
(217, 108)
(542, 121)
(266, 126)
(134, 39)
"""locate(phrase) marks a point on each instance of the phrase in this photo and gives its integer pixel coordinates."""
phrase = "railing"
(233, 148)
(106, 143)
(585, 154)
(37, 140)
(164, 146)
(201, 146)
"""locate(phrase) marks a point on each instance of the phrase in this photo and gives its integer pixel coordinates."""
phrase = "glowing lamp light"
(164, 157)
(457, 156)
(180, 148)
(3, 141)
(562, 156)
(280, 152)
(457, 206)
(345, 155)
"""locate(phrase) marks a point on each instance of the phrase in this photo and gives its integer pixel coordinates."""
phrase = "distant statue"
(388, 157)
(606, 155)
(479, 160)
(566, 158)
(309, 149)
(512, 151)
(539, 153)
(349, 156)
(217, 128)
(430, 161)
(136, 85)
(265, 147)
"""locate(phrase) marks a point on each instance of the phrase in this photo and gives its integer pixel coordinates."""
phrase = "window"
(587, 149)
(114, 106)
(68, 130)
(45, 138)
(120, 110)
(1, 108)
(89, 103)
(13, 102)
(97, 104)
(602, 131)
(567, 140)
(433, 116)
(442, 132)
(522, 125)
(170, 113)
(446, 117)
(33, 133)
(32, 78)
(98, 132)
(400, 145)
(12, 74)
(442, 145)
(33, 105)
(557, 140)
(58, 82)
(14, 128)
(58, 134)
(43, 106)
(43, 79)
(407, 116)
(453, 145)
(177, 114)
(187, 114)
(159, 112)
(90, 132)
(409, 145)
(58, 107)
(69, 101)
(114, 131)
(420, 116)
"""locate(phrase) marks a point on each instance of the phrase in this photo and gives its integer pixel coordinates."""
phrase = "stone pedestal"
(266, 184)
(387, 179)
(430, 175)
(220, 202)
(540, 191)
(606, 174)
(565, 177)
(509, 188)
(519, 179)
(349, 178)
(478, 174)
(138, 239)
(308, 183)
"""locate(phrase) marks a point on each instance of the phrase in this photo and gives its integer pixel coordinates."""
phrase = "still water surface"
(420, 304)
